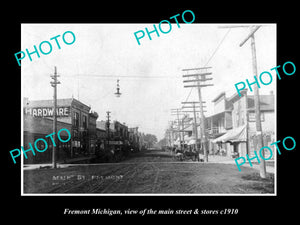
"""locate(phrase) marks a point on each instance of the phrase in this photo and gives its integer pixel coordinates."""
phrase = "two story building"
(242, 136)
(71, 113)
(116, 138)
(219, 124)
(39, 127)
(92, 131)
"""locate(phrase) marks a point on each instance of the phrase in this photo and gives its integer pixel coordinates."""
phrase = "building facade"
(135, 142)
(220, 123)
(39, 127)
(71, 113)
(242, 136)
(268, 120)
(92, 131)
(117, 138)
(121, 132)
(101, 138)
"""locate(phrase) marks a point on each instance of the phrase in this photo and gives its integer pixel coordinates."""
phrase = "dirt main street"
(148, 172)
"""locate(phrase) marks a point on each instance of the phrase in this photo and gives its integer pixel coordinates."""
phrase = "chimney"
(25, 101)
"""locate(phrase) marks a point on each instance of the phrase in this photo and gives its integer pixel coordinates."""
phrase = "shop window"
(76, 119)
(84, 122)
(75, 134)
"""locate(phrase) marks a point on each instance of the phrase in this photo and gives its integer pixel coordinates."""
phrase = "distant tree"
(150, 140)
(162, 142)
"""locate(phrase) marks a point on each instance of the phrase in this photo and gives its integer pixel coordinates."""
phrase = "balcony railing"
(215, 130)
(212, 130)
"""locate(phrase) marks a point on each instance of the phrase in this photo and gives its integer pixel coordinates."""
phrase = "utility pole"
(200, 77)
(170, 133)
(168, 137)
(183, 128)
(262, 165)
(195, 120)
(54, 85)
(176, 112)
(107, 127)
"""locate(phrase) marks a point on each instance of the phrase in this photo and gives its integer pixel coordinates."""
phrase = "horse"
(194, 155)
(178, 154)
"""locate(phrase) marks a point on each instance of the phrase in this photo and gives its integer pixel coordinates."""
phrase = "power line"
(210, 59)
(218, 47)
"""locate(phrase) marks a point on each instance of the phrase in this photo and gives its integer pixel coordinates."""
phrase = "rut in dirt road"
(147, 172)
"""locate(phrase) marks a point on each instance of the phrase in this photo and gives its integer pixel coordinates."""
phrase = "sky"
(150, 74)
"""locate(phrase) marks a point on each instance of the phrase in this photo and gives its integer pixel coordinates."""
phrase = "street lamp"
(118, 94)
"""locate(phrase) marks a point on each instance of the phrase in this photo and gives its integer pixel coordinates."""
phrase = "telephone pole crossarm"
(196, 74)
(195, 111)
(198, 85)
(190, 107)
(200, 68)
(192, 102)
(249, 35)
(197, 79)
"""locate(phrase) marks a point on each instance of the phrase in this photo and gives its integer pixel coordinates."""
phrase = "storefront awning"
(191, 142)
(177, 142)
(234, 135)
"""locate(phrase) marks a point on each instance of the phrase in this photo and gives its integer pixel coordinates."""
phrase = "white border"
(157, 194)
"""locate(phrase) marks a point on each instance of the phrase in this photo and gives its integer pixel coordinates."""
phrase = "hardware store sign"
(47, 111)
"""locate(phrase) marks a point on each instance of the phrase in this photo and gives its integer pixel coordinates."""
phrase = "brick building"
(118, 135)
(92, 131)
(39, 127)
(71, 113)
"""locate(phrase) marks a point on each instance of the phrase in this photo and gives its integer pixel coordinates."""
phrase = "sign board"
(47, 111)
(81, 129)
(252, 117)
(115, 142)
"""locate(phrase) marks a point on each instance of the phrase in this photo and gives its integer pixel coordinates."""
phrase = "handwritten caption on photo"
(63, 179)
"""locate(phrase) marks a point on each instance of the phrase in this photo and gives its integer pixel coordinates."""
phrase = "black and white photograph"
(150, 112)
(142, 109)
